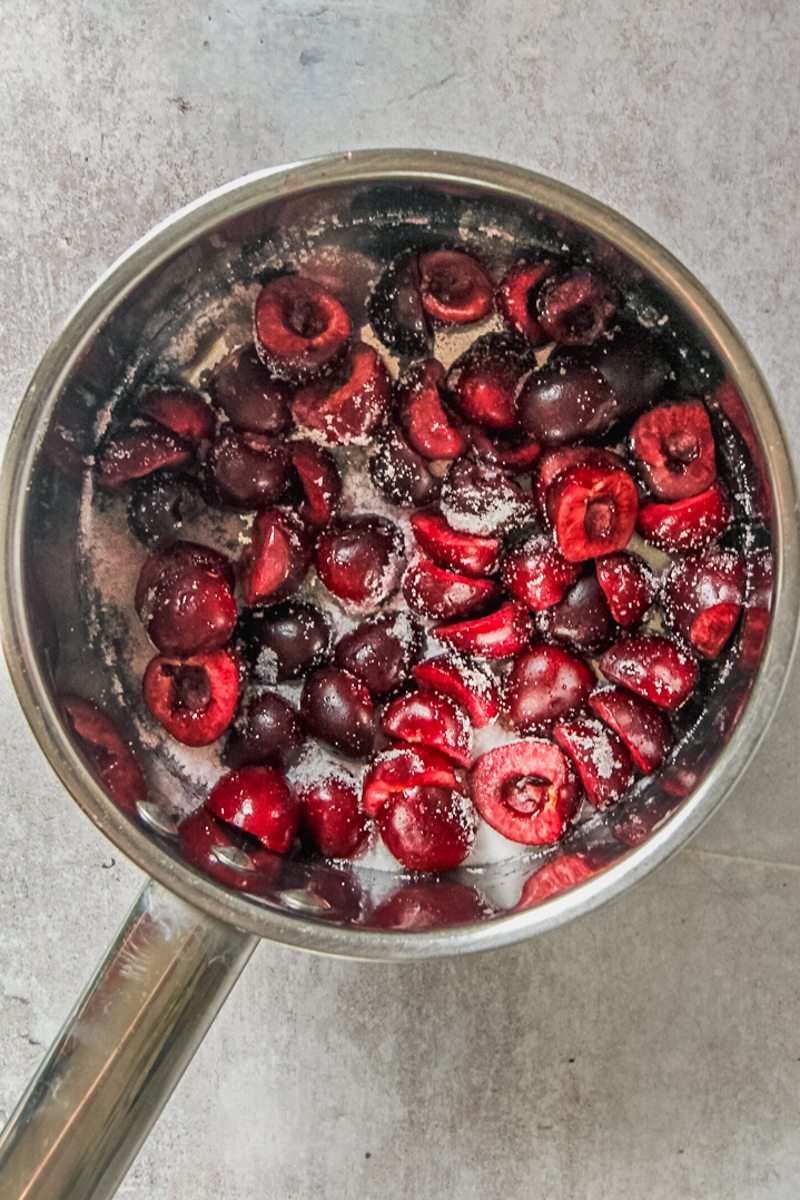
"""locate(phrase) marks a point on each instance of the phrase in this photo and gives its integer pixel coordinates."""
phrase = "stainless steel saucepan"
(177, 299)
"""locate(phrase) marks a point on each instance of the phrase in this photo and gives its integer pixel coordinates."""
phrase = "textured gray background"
(653, 1049)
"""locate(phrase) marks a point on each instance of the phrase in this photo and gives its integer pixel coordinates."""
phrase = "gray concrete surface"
(653, 1049)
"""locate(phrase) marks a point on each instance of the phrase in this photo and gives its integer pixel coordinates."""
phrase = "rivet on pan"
(156, 819)
(304, 901)
(233, 857)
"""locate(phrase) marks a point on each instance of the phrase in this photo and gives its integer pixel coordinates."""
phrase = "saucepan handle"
(115, 1063)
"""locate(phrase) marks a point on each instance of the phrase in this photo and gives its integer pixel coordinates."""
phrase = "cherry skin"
(337, 707)
(545, 684)
(333, 818)
(260, 802)
(427, 828)
(360, 561)
(268, 732)
(285, 641)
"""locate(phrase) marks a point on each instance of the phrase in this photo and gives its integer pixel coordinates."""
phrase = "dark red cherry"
(545, 684)
(593, 511)
(320, 480)
(643, 728)
(300, 327)
(600, 758)
(401, 768)
(381, 652)
(428, 719)
(674, 446)
(628, 585)
(515, 453)
(207, 844)
(652, 666)
(464, 681)
(360, 561)
(184, 599)
(581, 620)
(185, 413)
(247, 470)
(428, 828)
(278, 558)
(337, 707)
(469, 554)
(576, 307)
(687, 524)
(430, 904)
(137, 452)
(244, 390)
(194, 698)
(285, 641)
(160, 505)
(702, 598)
(259, 801)
(395, 308)
(110, 758)
(350, 406)
(333, 818)
(428, 428)
(454, 288)
(434, 592)
(268, 731)
(484, 381)
(634, 366)
(537, 573)
(527, 791)
(516, 299)
(400, 473)
(564, 402)
(478, 498)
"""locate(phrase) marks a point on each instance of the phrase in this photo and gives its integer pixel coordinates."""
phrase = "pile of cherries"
(520, 573)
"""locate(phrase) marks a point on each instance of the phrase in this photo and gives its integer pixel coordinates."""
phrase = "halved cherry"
(574, 308)
(515, 453)
(428, 828)
(497, 635)
(581, 620)
(537, 573)
(479, 498)
(402, 768)
(652, 666)
(599, 756)
(469, 684)
(674, 445)
(424, 718)
(527, 791)
(338, 708)
(426, 424)
(194, 698)
(399, 472)
(185, 413)
(629, 587)
(545, 683)
(485, 379)
(516, 300)
(593, 511)
(702, 598)
(467, 553)
(454, 288)
(207, 843)
(136, 452)
(434, 592)
(278, 558)
(643, 728)
(556, 876)
(259, 801)
(248, 395)
(333, 817)
(687, 524)
(320, 480)
(349, 407)
(360, 561)
(381, 651)
(110, 758)
(554, 463)
(430, 905)
(247, 470)
(300, 327)
(563, 402)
